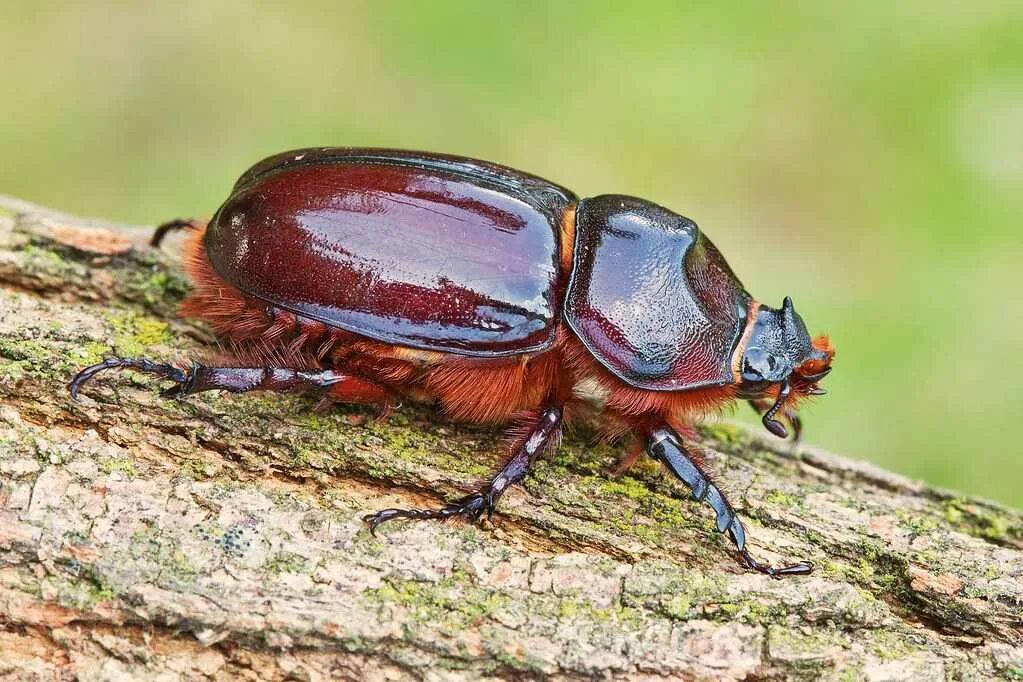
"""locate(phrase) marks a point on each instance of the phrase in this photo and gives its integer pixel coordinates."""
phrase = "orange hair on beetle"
(815, 366)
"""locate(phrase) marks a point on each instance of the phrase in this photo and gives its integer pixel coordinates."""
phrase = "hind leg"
(340, 387)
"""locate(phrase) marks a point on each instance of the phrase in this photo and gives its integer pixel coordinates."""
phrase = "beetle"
(375, 275)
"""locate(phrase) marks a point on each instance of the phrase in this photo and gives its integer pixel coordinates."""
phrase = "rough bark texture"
(220, 535)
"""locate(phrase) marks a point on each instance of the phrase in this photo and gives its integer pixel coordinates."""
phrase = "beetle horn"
(788, 313)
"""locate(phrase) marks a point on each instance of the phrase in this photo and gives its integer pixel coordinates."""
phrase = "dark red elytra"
(374, 275)
(427, 252)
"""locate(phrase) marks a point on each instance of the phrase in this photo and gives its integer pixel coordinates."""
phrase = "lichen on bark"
(221, 536)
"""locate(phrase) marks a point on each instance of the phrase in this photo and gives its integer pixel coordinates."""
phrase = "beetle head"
(780, 355)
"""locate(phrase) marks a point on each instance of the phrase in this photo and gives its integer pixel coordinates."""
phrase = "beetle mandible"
(375, 274)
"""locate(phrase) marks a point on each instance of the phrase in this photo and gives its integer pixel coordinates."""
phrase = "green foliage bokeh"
(865, 158)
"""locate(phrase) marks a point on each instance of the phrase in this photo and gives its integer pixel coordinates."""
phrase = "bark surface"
(220, 536)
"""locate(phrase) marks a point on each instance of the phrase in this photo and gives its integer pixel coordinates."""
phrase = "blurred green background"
(865, 158)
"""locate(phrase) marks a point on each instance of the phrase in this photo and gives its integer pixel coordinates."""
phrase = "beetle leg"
(175, 374)
(170, 226)
(473, 505)
(762, 406)
(341, 387)
(665, 446)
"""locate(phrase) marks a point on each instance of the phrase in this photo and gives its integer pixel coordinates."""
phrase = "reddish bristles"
(812, 367)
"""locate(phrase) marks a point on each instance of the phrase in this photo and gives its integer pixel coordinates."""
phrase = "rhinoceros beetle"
(375, 275)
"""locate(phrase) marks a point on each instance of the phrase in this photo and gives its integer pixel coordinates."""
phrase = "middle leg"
(473, 505)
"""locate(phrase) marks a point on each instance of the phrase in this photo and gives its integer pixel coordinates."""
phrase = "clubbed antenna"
(772, 424)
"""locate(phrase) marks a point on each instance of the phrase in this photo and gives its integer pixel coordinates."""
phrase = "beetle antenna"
(772, 424)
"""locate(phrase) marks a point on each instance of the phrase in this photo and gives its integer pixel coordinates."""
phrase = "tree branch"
(221, 535)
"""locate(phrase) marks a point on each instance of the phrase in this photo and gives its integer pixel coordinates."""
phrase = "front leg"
(665, 446)
(473, 505)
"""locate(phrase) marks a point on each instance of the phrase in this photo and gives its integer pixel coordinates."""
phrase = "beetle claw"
(471, 508)
(798, 568)
(738, 533)
(175, 391)
(175, 374)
